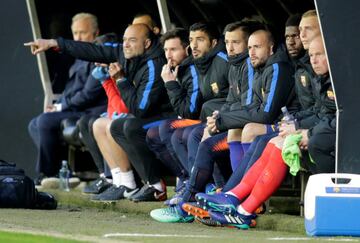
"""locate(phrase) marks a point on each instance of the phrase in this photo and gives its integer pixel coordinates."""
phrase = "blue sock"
(236, 154)
(245, 147)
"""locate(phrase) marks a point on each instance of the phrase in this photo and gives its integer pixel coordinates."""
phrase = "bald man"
(145, 18)
(130, 134)
(139, 82)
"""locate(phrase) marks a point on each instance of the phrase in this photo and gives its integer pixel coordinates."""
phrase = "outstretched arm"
(41, 45)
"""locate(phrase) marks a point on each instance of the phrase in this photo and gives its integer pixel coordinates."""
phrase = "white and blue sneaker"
(173, 214)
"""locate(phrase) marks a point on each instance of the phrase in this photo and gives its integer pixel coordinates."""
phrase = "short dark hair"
(247, 26)
(180, 33)
(268, 33)
(293, 20)
(208, 27)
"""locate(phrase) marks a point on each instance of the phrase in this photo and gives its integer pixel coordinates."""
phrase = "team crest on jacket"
(215, 88)
(303, 80)
(330, 95)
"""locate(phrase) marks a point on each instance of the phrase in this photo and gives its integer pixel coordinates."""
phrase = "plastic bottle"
(64, 175)
(287, 117)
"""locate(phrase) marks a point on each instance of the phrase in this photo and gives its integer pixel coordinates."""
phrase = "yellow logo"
(215, 88)
(336, 189)
(330, 95)
(303, 80)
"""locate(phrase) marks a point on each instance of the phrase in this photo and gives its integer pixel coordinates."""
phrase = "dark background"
(340, 26)
(21, 95)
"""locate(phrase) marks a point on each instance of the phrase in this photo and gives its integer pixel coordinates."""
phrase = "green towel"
(291, 152)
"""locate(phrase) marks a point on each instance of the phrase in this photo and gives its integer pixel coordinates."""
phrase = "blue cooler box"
(332, 205)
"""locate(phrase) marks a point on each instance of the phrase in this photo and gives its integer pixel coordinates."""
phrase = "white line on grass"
(309, 238)
(154, 235)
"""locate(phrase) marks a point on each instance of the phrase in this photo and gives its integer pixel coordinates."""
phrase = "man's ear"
(147, 43)
(188, 50)
(213, 43)
(96, 33)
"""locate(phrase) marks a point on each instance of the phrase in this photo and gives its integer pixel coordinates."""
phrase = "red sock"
(269, 180)
(243, 189)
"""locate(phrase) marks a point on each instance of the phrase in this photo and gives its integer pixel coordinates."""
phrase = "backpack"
(17, 190)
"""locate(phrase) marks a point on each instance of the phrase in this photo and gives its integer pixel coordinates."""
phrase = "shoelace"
(170, 211)
(100, 182)
(144, 188)
(180, 192)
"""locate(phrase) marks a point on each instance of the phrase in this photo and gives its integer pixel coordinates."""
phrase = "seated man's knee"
(316, 143)
(116, 128)
(165, 129)
(108, 129)
(32, 126)
(83, 122)
(251, 131)
(205, 145)
(131, 128)
(176, 137)
(152, 135)
(46, 122)
(196, 134)
(234, 135)
(99, 126)
(277, 141)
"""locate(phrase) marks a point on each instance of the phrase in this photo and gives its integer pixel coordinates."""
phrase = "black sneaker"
(148, 193)
(114, 193)
(97, 186)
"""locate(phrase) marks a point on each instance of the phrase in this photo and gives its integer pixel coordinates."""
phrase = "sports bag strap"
(5, 163)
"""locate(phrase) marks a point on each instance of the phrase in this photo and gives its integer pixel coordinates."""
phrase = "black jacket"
(241, 75)
(92, 52)
(82, 92)
(272, 86)
(327, 125)
(143, 92)
(304, 75)
(324, 105)
(213, 71)
(184, 93)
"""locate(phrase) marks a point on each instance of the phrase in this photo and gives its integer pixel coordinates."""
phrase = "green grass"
(80, 219)
(11, 237)
(74, 200)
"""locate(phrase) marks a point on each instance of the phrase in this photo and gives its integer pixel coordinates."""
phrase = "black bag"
(18, 191)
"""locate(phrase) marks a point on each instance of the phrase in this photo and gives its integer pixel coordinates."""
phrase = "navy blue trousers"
(158, 139)
(86, 129)
(45, 131)
(179, 141)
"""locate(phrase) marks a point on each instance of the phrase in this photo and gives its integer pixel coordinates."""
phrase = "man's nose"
(251, 52)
